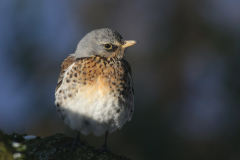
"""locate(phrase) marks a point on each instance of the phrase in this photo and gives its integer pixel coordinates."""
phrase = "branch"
(23, 147)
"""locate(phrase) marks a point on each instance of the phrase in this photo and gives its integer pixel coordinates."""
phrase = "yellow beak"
(128, 43)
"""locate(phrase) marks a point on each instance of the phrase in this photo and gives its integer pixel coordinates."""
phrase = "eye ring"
(108, 46)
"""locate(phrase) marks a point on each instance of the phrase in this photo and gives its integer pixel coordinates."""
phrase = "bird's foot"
(104, 149)
(76, 143)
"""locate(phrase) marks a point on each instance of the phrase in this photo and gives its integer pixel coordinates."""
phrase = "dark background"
(186, 71)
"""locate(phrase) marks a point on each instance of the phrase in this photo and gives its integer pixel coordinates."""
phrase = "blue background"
(186, 71)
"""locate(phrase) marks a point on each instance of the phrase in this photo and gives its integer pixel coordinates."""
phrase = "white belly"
(92, 110)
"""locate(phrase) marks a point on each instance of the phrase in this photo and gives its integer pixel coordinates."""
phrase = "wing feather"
(66, 63)
(131, 94)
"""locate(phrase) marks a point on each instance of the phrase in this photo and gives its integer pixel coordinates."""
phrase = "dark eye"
(108, 46)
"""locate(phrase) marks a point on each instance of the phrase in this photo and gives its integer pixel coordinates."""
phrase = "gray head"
(103, 42)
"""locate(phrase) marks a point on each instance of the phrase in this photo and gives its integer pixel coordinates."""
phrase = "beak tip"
(129, 43)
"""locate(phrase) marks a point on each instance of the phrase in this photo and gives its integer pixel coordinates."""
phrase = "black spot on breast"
(113, 83)
(84, 73)
(60, 91)
(75, 75)
(70, 76)
(68, 80)
(58, 105)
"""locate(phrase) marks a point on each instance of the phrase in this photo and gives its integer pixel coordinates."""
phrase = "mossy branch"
(15, 146)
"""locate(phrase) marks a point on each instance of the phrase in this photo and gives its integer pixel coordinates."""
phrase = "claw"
(104, 147)
(76, 143)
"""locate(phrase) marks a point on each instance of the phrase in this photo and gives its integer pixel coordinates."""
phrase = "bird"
(94, 92)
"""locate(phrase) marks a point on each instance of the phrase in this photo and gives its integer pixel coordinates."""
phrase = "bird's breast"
(98, 74)
(98, 92)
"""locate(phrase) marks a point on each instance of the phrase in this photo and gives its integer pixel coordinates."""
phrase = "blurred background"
(186, 71)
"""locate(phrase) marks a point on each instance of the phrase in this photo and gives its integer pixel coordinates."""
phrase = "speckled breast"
(96, 95)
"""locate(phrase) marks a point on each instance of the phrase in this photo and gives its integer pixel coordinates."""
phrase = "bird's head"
(103, 42)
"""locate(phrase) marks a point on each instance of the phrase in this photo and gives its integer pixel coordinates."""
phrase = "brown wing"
(66, 63)
(128, 68)
(130, 96)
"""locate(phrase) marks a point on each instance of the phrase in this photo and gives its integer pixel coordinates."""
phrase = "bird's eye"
(108, 46)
